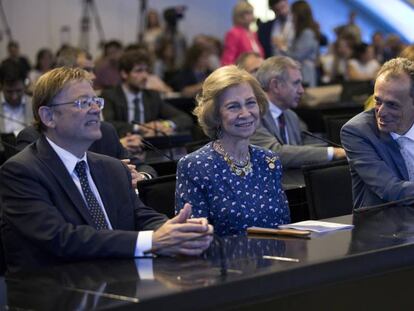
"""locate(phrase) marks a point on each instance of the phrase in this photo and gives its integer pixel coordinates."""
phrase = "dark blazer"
(116, 110)
(264, 33)
(108, 145)
(45, 220)
(378, 170)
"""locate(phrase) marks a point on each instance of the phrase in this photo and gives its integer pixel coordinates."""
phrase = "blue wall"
(333, 13)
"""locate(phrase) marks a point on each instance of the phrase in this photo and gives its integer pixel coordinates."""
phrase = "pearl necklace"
(240, 168)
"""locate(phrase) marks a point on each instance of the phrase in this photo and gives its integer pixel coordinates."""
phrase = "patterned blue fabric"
(232, 203)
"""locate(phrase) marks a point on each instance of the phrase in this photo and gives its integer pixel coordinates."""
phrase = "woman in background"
(190, 78)
(305, 46)
(363, 66)
(234, 184)
(240, 39)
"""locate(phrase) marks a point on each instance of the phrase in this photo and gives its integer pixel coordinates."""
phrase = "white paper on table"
(316, 226)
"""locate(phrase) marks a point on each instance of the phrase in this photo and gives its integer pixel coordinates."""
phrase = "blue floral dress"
(232, 203)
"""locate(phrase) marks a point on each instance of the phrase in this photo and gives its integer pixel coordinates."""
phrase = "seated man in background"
(281, 129)
(16, 107)
(249, 61)
(130, 101)
(379, 143)
(58, 200)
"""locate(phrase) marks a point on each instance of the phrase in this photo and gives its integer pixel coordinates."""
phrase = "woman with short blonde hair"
(234, 184)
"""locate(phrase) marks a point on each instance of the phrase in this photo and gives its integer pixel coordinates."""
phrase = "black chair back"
(195, 145)
(333, 125)
(328, 189)
(159, 193)
(164, 168)
(356, 92)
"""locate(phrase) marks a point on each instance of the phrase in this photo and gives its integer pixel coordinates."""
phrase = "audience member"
(351, 29)
(16, 106)
(279, 31)
(408, 52)
(334, 64)
(213, 47)
(62, 203)
(152, 29)
(131, 101)
(232, 183)
(173, 35)
(107, 73)
(281, 129)
(44, 62)
(240, 38)
(249, 61)
(15, 58)
(305, 46)
(393, 47)
(362, 66)
(379, 143)
(154, 82)
(378, 43)
(190, 78)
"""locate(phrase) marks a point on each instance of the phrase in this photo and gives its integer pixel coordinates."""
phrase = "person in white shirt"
(62, 203)
(379, 143)
(15, 107)
(281, 129)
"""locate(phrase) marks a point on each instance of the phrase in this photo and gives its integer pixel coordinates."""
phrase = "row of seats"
(328, 191)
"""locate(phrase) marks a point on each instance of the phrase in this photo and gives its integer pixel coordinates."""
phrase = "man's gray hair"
(395, 67)
(275, 67)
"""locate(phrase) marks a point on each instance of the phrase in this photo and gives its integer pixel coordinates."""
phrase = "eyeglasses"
(84, 103)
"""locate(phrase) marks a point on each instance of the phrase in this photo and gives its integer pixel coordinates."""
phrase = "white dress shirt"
(406, 143)
(144, 239)
(14, 117)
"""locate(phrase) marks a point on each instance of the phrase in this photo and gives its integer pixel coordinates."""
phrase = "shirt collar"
(129, 95)
(409, 134)
(68, 159)
(274, 110)
(4, 103)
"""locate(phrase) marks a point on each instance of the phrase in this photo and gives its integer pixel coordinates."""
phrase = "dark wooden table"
(369, 267)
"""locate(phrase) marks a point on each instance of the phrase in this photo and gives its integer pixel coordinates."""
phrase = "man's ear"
(46, 116)
(275, 85)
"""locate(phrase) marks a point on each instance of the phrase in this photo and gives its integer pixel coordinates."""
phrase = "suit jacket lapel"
(98, 175)
(123, 103)
(146, 101)
(56, 167)
(395, 155)
(293, 134)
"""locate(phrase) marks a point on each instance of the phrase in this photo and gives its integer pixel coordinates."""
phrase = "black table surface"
(233, 274)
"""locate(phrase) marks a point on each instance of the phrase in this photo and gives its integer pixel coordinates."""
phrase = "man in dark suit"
(130, 101)
(379, 143)
(281, 129)
(280, 29)
(61, 203)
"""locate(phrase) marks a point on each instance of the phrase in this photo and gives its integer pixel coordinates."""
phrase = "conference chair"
(328, 189)
(333, 125)
(195, 145)
(165, 167)
(159, 193)
(356, 92)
